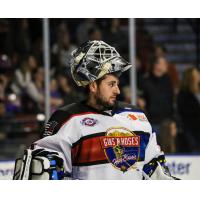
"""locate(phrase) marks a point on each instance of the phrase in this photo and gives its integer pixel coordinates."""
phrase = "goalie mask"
(94, 59)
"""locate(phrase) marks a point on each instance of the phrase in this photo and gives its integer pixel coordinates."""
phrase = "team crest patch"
(121, 147)
(89, 121)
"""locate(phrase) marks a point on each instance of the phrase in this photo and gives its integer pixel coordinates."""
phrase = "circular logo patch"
(89, 121)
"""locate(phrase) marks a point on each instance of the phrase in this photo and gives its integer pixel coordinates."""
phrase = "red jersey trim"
(88, 151)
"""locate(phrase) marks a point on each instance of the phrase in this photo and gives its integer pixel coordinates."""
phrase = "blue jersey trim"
(7, 161)
(127, 110)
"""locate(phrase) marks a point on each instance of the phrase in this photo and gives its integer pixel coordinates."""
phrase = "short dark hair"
(98, 81)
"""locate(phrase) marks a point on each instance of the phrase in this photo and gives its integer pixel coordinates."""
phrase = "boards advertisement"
(185, 167)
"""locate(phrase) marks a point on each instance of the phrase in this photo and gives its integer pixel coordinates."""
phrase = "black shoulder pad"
(55, 122)
(60, 116)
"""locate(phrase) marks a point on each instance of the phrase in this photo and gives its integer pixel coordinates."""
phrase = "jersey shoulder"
(59, 117)
(133, 114)
(123, 106)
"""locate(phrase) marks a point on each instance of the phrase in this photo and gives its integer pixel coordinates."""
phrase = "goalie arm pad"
(156, 169)
(39, 164)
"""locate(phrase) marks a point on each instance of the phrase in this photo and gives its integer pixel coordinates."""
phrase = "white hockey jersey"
(113, 144)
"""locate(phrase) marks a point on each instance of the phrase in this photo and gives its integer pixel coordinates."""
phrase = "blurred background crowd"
(167, 71)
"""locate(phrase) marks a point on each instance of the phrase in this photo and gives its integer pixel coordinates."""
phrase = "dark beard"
(101, 102)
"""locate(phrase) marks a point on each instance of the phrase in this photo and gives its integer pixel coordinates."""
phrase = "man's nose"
(117, 90)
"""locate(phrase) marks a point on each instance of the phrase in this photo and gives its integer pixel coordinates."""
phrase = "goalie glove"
(156, 169)
(39, 164)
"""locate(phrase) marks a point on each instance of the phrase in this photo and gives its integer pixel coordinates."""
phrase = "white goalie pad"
(33, 167)
(22, 166)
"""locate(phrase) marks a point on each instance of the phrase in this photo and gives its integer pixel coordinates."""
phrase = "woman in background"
(167, 136)
(188, 104)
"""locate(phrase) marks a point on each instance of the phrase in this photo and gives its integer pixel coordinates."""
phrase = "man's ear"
(93, 87)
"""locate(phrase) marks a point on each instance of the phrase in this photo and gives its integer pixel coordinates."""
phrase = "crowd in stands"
(171, 101)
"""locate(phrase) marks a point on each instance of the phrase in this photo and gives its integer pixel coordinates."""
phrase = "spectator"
(3, 84)
(61, 51)
(5, 118)
(168, 136)
(115, 34)
(188, 105)
(83, 30)
(2, 121)
(56, 100)
(95, 34)
(126, 96)
(32, 62)
(68, 94)
(145, 45)
(35, 93)
(15, 59)
(22, 78)
(158, 93)
(160, 51)
(11, 101)
(126, 93)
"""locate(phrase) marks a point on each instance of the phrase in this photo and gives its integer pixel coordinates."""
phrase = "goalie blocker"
(39, 164)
